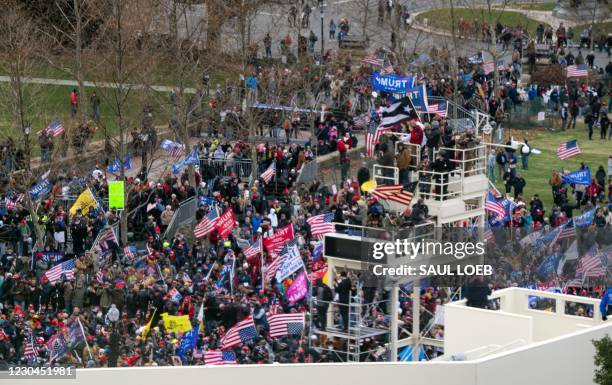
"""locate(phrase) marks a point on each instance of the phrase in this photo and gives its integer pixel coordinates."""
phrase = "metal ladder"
(354, 330)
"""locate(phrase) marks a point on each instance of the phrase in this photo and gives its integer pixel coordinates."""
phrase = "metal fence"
(184, 215)
(308, 172)
(240, 168)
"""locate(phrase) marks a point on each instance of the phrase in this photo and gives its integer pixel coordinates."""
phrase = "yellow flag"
(85, 202)
(174, 323)
(147, 327)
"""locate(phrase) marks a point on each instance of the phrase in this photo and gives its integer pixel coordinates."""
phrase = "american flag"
(274, 265)
(385, 191)
(253, 249)
(403, 197)
(207, 224)
(217, 357)
(373, 136)
(494, 206)
(65, 269)
(286, 324)
(567, 150)
(577, 71)
(387, 70)
(176, 150)
(321, 224)
(242, 332)
(107, 235)
(362, 121)
(590, 264)
(488, 235)
(127, 251)
(488, 67)
(269, 173)
(568, 230)
(30, 350)
(373, 60)
(12, 203)
(440, 108)
(55, 128)
(100, 276)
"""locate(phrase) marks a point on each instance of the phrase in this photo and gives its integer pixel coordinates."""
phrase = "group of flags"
(397, 112)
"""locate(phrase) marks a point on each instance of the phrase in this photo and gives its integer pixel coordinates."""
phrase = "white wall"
(467, 328)
(548, 324)
(561, 361)
(306, 374)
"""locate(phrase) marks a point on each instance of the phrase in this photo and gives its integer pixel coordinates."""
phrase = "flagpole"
(261, 268)
(85, 338)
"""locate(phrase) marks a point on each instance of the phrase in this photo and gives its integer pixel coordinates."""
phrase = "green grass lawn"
(594, 153)
(533, 6)
(600, 28)
(441, 18)
(49, 101)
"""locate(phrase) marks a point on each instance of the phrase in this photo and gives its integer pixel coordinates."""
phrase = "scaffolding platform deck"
(355, 334)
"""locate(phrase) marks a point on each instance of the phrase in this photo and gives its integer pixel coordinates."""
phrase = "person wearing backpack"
(324, 297)
(501, 160)
(525, 151)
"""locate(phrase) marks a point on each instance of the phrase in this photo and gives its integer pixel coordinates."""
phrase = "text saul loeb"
(425, 250)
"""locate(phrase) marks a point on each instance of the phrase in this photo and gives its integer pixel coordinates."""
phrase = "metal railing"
(459, 119)
(386, 174)
(240, 168)
(185, 214)
(470, 161)
(438, 185)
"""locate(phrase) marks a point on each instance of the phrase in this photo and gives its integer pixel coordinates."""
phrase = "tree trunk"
(82, 109)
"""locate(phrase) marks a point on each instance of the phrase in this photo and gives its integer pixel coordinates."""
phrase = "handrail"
(173, 221)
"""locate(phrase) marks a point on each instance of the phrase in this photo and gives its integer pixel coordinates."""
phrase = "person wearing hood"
(273, 218)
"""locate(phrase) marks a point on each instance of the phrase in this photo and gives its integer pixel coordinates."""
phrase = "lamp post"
(113, 316)
(322, 9)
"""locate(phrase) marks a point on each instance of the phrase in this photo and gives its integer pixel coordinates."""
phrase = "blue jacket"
(606, 300)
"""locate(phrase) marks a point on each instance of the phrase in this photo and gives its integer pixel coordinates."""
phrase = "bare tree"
(19, 49)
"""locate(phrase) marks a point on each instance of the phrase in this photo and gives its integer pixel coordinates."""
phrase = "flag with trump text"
(225, 223)
(291, 261)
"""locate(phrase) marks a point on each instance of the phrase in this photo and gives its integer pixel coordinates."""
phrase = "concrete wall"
(567, 360)
(469, 328)
(548, 324)
(354, 374)
(561, 361)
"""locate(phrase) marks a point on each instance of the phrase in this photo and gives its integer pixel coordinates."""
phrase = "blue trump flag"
(548, 267)
(192, 158)
(418, 96)
(40, 189)
(578, 177)
(585, 219)
(392, 83)
(188, 342)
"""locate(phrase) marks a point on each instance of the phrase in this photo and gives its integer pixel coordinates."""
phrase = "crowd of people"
(220, 279)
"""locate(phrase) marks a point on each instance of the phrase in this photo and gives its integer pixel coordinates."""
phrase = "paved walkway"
(74, 83)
